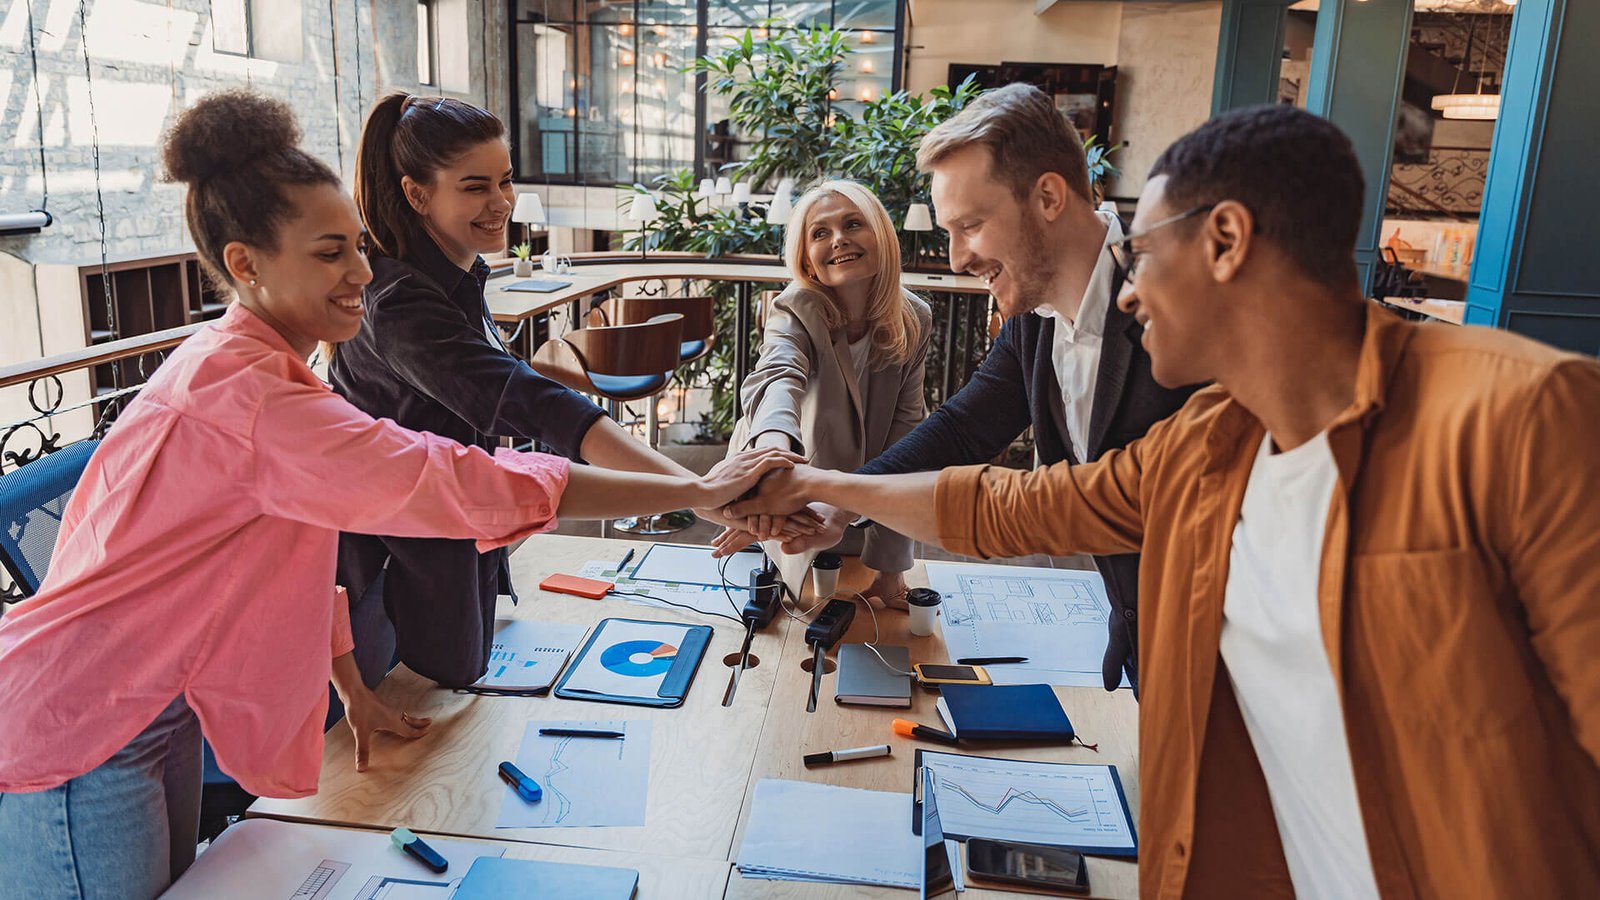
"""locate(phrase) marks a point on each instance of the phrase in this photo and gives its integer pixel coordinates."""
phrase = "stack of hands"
(776, 507)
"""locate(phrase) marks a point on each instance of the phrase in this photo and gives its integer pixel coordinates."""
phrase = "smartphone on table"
(940, 674)
(1055, 869)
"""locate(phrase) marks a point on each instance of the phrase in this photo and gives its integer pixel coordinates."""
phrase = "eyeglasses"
(1126, 258)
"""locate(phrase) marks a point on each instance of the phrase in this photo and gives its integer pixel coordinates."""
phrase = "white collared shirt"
(1075, 349)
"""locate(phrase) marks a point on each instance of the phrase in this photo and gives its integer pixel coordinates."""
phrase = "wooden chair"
(618, 363)
(699, 320)
(621, 363)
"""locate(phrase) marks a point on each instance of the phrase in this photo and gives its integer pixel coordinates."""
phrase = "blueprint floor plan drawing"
(1054, 617)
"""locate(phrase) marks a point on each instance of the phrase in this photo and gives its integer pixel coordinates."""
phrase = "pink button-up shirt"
(197, 558)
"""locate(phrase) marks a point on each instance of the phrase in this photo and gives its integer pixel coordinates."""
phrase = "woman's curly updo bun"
(237, 150)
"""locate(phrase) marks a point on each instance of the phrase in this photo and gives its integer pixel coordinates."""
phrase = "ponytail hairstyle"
(407, 135)
(891, 320)
(237, 150)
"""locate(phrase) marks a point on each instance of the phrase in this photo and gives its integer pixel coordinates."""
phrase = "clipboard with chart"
(1080, 807)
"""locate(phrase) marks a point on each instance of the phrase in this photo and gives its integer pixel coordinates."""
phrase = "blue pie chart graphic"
(639, 659)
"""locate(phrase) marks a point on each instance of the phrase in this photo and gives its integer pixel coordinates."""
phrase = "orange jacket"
(1460, 603)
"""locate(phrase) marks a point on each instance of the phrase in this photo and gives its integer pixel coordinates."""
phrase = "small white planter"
(523, 268)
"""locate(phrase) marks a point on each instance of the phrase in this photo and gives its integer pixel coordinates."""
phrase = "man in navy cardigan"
(1011, 186)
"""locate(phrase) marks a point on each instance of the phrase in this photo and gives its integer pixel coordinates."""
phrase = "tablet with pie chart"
(636, 661)
(639, 659)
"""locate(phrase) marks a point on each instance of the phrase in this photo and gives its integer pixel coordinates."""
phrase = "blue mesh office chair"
(32, 501)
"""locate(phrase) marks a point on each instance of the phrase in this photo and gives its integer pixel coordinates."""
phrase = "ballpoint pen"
(580, 732)
(990, 660)
(625, 560)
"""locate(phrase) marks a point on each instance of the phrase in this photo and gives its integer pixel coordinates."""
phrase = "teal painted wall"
(1249, 53)
(1358, 61)
(1536, 269)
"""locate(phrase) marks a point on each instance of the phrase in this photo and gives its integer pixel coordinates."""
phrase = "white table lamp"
(528, 212)
(780, 208)
(529, 209)
(724, 185)
(643, 211)
(918, 219)
(741, 192)
(708, 188)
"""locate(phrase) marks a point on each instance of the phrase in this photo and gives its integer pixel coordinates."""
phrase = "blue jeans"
(125, 829)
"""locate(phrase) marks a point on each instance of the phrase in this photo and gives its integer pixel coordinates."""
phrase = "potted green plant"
(523, 267)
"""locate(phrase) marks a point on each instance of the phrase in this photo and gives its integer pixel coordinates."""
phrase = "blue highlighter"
(526, 787)
(413, 845)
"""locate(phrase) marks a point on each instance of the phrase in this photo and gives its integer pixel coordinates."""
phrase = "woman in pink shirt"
(191, 589)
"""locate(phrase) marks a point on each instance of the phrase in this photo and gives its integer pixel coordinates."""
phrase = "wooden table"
(705, 759)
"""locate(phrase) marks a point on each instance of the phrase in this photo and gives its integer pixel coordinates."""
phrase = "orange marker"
(908, 728)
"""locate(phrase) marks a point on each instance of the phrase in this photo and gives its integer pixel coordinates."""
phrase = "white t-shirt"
(1272, 644)
(1075, 347)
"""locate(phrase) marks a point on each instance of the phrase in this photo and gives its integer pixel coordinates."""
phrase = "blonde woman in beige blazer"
(842, 358)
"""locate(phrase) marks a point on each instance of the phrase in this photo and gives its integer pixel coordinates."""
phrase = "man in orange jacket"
(1370, 582)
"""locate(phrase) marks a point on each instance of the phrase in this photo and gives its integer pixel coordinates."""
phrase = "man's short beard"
(1037, 273)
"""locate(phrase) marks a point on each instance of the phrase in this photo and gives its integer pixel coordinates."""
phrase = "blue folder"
(492, 878)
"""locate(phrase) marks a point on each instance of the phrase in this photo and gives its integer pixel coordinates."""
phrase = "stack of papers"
(1054, 617)
(698, 596)
(799, 831)
(528, 655)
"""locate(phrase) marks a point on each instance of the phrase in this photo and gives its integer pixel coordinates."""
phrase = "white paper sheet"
(686, 564)
(528, 655)
(586, 781)
(273, 860)
(698, 597)
(1060, 804)
(1054, 617)
(800, 831)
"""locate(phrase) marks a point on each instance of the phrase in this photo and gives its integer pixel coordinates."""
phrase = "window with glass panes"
(600, 95)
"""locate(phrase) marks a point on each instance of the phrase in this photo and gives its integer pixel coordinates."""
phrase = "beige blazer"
(805, 386)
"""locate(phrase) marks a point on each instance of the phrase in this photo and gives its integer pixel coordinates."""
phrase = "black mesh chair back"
(33, 499)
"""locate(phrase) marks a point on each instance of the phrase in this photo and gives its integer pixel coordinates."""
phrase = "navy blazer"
(1016, 387)
(425, 358)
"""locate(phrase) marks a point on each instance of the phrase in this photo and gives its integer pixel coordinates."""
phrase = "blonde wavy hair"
(891, 320)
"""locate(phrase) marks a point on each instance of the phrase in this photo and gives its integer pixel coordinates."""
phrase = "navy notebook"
(1008, 712)
(491, 878)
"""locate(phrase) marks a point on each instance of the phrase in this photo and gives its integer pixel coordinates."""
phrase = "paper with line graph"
(1059, 804)
(1054, 617)
(586, 781)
